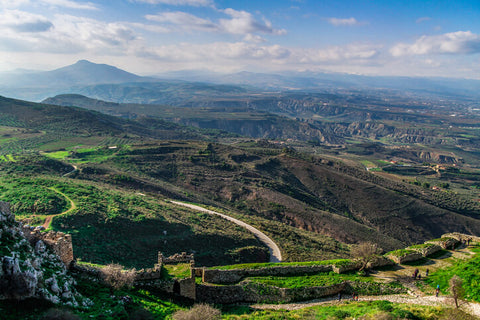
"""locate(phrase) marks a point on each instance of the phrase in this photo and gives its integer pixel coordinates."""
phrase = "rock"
(67, 295)
(27, 259)
(40, 247)
(54, 287)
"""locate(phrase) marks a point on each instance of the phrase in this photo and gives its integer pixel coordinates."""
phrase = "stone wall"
(445, 242)
(342, 268)
(254, 292)
(427, 250)
(460, 237)
(59, 242)
(176, 258)
(380, 261)
(407, 257)
(235, 275)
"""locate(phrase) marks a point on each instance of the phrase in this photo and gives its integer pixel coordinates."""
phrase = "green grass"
(27, 197)
(111, 307)
(316, 280)
(400, 252)
(181, 270)
(60, 155)
(345, 310)
(467, 270)
(336, 262)
(7, 158)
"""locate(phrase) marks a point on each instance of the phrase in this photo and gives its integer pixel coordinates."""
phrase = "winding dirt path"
(275, 254)
(75, 168)
(73, 206)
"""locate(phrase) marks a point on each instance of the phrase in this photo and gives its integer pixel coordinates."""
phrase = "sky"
(149, 37)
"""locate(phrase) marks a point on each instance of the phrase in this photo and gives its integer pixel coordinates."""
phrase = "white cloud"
(57, 3)
(71, 4)
(460, 42)
(13, 3)
(194, 3)
(240, 22)
(184, 20)
(423, 19)
(239, 54)
(63, 34)
(253, 38)
(343, 22)
(336, 54)
(20, 21)
(216, 51)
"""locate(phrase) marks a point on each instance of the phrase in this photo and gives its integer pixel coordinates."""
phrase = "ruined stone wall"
(235, 275)
(255, 292)
(59, 242)
(380, 261)
(428, 250)
(176, 258)
(460, 237)
(445, 242)
(411, 256)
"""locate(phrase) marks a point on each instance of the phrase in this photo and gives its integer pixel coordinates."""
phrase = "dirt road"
(275, 254)
(73, 206)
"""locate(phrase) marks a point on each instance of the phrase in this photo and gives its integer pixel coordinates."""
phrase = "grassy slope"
(321, 196)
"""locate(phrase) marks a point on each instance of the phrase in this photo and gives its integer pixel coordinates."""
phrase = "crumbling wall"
(235, 275)
(59, 242)
(255, 292)
(176, 258)
(428, 249)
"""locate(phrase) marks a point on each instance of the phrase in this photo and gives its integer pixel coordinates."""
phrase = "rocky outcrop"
(32, 270)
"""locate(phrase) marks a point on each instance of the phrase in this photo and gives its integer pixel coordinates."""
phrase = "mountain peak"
(84, 62)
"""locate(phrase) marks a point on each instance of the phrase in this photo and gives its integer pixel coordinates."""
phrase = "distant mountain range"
(103, 81)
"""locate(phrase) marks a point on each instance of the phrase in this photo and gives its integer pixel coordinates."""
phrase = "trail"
(275, 254)
(472, 308)
(73, 206)
(403, 274)
(69, 173)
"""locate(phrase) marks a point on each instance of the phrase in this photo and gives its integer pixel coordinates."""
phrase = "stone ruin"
(176, 258)
(59, 242)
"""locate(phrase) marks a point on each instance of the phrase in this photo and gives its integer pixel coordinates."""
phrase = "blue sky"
(373, 37)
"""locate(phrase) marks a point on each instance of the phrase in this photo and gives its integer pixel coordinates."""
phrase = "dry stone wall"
(235, 275)
(427, 250)
(254, 292)
(445, 242)
(405, 256)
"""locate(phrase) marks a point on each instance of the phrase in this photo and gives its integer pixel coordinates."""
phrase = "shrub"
(198, 312)
(456, 314)
(141, 314)
(59, 314)
(115, 277)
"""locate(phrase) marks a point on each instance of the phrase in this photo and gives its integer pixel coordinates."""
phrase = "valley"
(138, 167)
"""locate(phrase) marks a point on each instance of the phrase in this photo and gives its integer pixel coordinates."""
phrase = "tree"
(115, 277)
(456, 288)
(365, 253)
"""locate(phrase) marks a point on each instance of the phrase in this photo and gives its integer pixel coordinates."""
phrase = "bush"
(141, 314)
(59, 314)
(198, 312)
(456, 314)
(114, 276)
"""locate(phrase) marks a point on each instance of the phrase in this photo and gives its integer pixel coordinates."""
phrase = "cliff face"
(32, 269)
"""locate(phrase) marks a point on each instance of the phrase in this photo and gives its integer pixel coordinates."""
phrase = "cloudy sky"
(375, 37)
